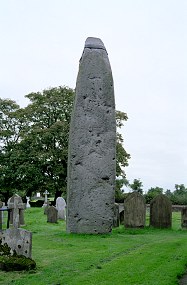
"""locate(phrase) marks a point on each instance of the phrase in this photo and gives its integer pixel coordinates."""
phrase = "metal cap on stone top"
(94, 43)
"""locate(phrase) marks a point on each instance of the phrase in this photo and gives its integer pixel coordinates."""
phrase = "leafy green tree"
(179, 195)
(137, 185)
(34, 141)
(152, 193)
(122, 157)
(12, 125)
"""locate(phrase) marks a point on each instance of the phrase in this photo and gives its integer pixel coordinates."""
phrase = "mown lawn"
(136, 256)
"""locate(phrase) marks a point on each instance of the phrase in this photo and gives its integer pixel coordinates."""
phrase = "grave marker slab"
(134, 210)
(161, 212)
(52, 213)
(61, 207)
(19, 240)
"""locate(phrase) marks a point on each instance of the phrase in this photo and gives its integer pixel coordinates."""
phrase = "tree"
(12, 124)
(35, 142)
(122, 157)
(136, 186)
(152, 193)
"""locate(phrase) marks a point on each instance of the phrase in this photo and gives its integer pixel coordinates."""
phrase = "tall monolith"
(92, 145)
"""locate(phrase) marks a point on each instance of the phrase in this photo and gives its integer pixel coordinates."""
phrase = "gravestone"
(28, 204)
(184, 218)
(92, 145)
(161, 212)
(116, 216)
(45, 199)
(52, 213)
(16, 204)
(134, 210)
(17, 239)
(61, 207)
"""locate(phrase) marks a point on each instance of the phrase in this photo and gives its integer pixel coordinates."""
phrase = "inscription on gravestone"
(92, 144)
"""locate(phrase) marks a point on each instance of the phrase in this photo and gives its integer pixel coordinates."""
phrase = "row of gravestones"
(18, 239)
(134, 213)
(56, 213)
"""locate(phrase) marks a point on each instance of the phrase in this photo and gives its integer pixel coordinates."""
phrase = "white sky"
(42, 42)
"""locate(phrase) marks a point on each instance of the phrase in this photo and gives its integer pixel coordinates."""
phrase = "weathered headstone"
(19, 240)
(17, 214)
(61, 207)
(161, 212)
(134, 210)
(184, 218)
(52, 213)
(92, 145)
(116, 216)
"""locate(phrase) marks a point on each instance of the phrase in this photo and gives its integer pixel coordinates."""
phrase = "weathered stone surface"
(19, 240)
(52, 213)
(184, 218)
(161, 212)
(134, 210)
(92, 144)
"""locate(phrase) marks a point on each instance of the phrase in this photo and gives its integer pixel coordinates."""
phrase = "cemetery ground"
(126, 256)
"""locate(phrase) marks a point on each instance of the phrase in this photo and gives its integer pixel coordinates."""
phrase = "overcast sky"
(42, 42)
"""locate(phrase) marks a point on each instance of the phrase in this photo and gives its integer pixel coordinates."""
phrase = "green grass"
(127, 256)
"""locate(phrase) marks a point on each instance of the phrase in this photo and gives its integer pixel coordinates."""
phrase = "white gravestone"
(28, 200)
(61, 207)
(45, 200)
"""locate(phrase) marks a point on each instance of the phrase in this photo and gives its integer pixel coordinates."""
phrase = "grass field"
(136, 256)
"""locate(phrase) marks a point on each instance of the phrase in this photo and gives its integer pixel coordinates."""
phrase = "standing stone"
(134, 211)
(161, 212)
(92, 145)
(52, 213)
(61, 207)
(184, 218)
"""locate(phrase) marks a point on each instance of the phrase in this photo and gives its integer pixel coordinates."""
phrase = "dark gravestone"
(92, 145)
(52, 214)
(134, 210)
(161, 212)
(116, 216)
(184, 218)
